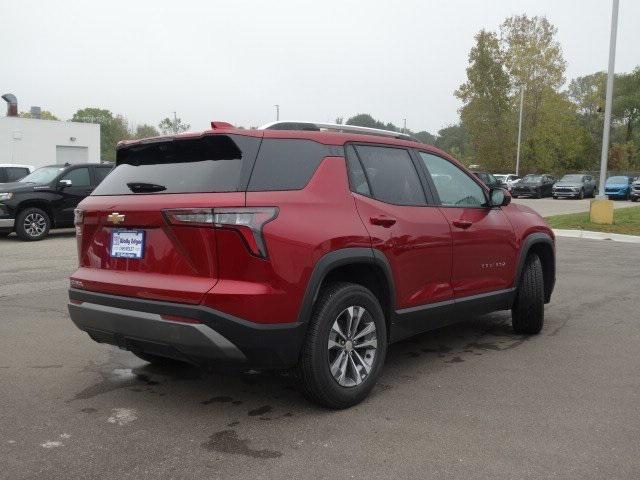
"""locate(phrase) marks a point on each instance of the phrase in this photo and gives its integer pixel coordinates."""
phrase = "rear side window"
(15, 173)
(214, 163)
(284, 164)
(391, 174)
(101, 173)
(357, 178)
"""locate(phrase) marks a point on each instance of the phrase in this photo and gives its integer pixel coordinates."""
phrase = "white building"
(45, 142)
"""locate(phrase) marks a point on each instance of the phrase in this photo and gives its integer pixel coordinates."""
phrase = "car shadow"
(271, 395)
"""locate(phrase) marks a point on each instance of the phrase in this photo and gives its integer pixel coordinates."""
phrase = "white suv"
(10, 172)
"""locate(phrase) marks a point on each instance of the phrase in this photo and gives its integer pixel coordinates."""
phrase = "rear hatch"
(146, 230)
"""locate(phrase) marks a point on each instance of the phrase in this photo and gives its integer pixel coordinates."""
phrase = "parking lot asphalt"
(468, 401)
(548, 206)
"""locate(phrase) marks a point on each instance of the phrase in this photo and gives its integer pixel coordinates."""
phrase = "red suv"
(294, 246)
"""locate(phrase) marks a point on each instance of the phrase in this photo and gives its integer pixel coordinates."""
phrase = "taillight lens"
(78, 216)
(248, 221)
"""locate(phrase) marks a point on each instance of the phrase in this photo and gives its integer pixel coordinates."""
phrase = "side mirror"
(499, 197)
(65, 183)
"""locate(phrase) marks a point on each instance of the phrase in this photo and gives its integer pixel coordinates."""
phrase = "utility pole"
(519, 131)
(607, 106)
(277, 112)
(175, 123)
(404, 125)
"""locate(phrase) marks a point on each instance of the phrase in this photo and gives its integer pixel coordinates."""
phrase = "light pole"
(404, 125)
(277, 112)
(519, 131)
(607, 106)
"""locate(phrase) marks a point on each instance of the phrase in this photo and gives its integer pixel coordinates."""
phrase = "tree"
(112, 129)
(366, 120)
(145, 131)
(486, 113)
(454, 140)
(425, 137)
(44, 115)
(168, 126)
(626, 102)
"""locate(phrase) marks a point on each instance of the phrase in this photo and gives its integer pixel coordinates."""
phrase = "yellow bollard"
(601, 211)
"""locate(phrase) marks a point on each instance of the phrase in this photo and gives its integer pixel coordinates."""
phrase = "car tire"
(329, 372)
(5, 233)
(581, 194)
(634, 199)
(538, 194)
(527, 312)
(32, 224)
(514, 196)
(555, 197)
(160, 361)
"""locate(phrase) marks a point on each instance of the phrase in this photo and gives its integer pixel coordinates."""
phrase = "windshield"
(618, 179)
(532, 178)
(502, 178)
(42, 175)
(571, 178)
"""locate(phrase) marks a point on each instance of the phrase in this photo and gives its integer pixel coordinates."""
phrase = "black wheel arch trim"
(538, 238)
(339, 258)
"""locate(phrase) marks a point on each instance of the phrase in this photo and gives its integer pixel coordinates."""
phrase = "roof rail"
(334, 127)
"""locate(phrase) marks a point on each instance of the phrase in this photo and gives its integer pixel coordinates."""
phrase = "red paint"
(435, 253)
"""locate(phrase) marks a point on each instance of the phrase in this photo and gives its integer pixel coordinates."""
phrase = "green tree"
(486, 113)
(454, 140)
(112, 129)
(145, 131)
(626, 102)
(366, 120)
(44, 115)
(173, 126)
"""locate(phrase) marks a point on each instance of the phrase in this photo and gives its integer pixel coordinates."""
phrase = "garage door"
(72, 155)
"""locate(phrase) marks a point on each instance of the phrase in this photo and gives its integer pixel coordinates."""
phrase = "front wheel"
(345, 346)
(32, 224)
(581, 195)
(634, 199)
(527, 313)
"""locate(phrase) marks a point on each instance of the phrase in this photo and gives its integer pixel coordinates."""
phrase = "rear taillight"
(78, 220)
(248, 221)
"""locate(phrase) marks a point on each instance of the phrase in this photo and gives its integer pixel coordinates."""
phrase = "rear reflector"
(248, 221)
(174, 318)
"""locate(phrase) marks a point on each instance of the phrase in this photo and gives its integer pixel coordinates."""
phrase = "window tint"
(286, 164)
(15, 173)
(79, 177)
(455, 188)
(357, 178)
(212, 163)
(391, 174)
(101, 172)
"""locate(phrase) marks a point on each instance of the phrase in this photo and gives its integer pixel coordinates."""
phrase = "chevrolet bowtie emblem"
(115, 218)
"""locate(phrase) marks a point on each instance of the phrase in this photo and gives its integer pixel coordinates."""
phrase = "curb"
(616, 237)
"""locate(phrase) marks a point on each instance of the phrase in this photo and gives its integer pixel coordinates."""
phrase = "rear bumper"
(214, 339)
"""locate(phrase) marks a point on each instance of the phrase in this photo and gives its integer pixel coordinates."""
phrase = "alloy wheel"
(352, 345)
(34, 224)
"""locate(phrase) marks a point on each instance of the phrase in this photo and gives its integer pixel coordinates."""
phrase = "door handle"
(383, 221)
(464, 224)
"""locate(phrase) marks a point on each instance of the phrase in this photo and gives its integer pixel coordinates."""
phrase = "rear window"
(214, 163)
(284, 164)
(16, 173)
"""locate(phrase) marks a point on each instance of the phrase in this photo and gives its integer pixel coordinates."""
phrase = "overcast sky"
(233, 60)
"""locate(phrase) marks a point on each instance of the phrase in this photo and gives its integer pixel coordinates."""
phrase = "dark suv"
(46, 198)
(305, 249)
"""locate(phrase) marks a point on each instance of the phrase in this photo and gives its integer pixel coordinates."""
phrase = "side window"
(284, 164)
(79, 177)
(15, 173)
(101, 173)
(357, 178)
(392, 176)
(455, 188)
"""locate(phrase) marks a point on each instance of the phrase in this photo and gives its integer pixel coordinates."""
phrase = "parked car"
(10, 172)
(308, 250)
(509, 179)
(575, 185)
(635, 190)
(618, 187)
(46, 198)
(534, 185)
(489, 180)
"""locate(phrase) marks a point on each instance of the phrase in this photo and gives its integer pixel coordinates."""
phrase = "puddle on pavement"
(227, 441)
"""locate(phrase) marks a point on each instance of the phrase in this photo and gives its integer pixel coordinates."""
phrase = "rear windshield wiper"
(142, 187)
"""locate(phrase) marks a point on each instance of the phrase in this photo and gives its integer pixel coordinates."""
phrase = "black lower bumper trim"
(134, 323)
